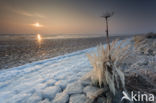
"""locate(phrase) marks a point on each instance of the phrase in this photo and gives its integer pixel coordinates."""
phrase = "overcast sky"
(77, 16)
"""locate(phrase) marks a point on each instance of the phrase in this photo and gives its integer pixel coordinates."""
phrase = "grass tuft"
(106, 69)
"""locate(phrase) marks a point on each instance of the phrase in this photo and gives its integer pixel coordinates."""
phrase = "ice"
(42, 80)
(50, 92)
(62, 84)
(45, 101)
(35, 98)
(61, 98)
(78, 98)
(90, 91)
(46, 80)
(74, 88)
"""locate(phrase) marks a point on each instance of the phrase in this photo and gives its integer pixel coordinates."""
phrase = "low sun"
(37, 24)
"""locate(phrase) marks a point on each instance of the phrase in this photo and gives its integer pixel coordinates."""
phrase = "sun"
(37, 24)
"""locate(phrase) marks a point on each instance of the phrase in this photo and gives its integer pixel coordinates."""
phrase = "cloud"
(28, 14)
(25, 13)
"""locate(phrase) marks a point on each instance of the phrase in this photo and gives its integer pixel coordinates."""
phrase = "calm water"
(20, 49)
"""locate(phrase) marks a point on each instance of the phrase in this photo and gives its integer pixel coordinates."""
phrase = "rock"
(86, 82)
(78, 98)
(62, 84)
(148, 51)
(101, 100)
(45, 101)
(61, 98)
(92, 91)
(50, 92)
(50, 82)
(35, 98)
(141, 62)
(74, 88)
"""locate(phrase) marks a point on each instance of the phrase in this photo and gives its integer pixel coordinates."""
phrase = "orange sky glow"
(75, 17)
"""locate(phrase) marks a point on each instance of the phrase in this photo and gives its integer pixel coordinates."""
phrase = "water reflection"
(39, 40)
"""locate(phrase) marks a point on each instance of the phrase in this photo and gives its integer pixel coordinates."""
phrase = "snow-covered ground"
(41, 80)
(48, 80)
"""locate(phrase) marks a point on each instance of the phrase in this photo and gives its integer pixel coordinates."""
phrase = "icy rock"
(130, 59)
(61, 98)
(50, 82)
(40, 86)
(50, 92)
(85, 82)
(148, 51)
(141, 62)
(35, 98)
(74, 88)
(78, 98)
(45, 101)
(72, 78)
(90, 91)
(101, 100)
(19, 98)
(62, 84)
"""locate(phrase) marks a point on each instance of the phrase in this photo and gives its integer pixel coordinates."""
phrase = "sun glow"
(37, 24)
(39, 38)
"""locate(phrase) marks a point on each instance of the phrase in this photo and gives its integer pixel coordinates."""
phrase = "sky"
(77, 16)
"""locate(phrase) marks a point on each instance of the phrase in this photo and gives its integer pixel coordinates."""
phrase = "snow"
(74, 88)
(51, 80)
(90, 91)
(50, 92)
(42, 80)
(77, 98)
(61, 98)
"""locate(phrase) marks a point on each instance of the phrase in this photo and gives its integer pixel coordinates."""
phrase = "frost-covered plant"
(144, 45)
(105, 64)
(138, 40)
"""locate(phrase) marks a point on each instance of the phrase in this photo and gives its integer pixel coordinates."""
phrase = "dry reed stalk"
(106, 70)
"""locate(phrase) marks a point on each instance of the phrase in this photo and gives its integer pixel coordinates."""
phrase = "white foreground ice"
(40, 80)
(43, 81)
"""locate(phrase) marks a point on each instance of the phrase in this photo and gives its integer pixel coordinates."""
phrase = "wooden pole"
(107, 33)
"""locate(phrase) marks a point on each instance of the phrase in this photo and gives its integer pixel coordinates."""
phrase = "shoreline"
(17, 52)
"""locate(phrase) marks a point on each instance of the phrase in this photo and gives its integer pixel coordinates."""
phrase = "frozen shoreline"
(58, 80)
(43, 79)
(14, 53)
(20, 83)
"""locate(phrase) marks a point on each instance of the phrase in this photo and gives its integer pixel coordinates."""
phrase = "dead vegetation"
(139, 74)
(145, 44)
(140, 83)
(106, 69)
(150, 35)
(138, 40)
